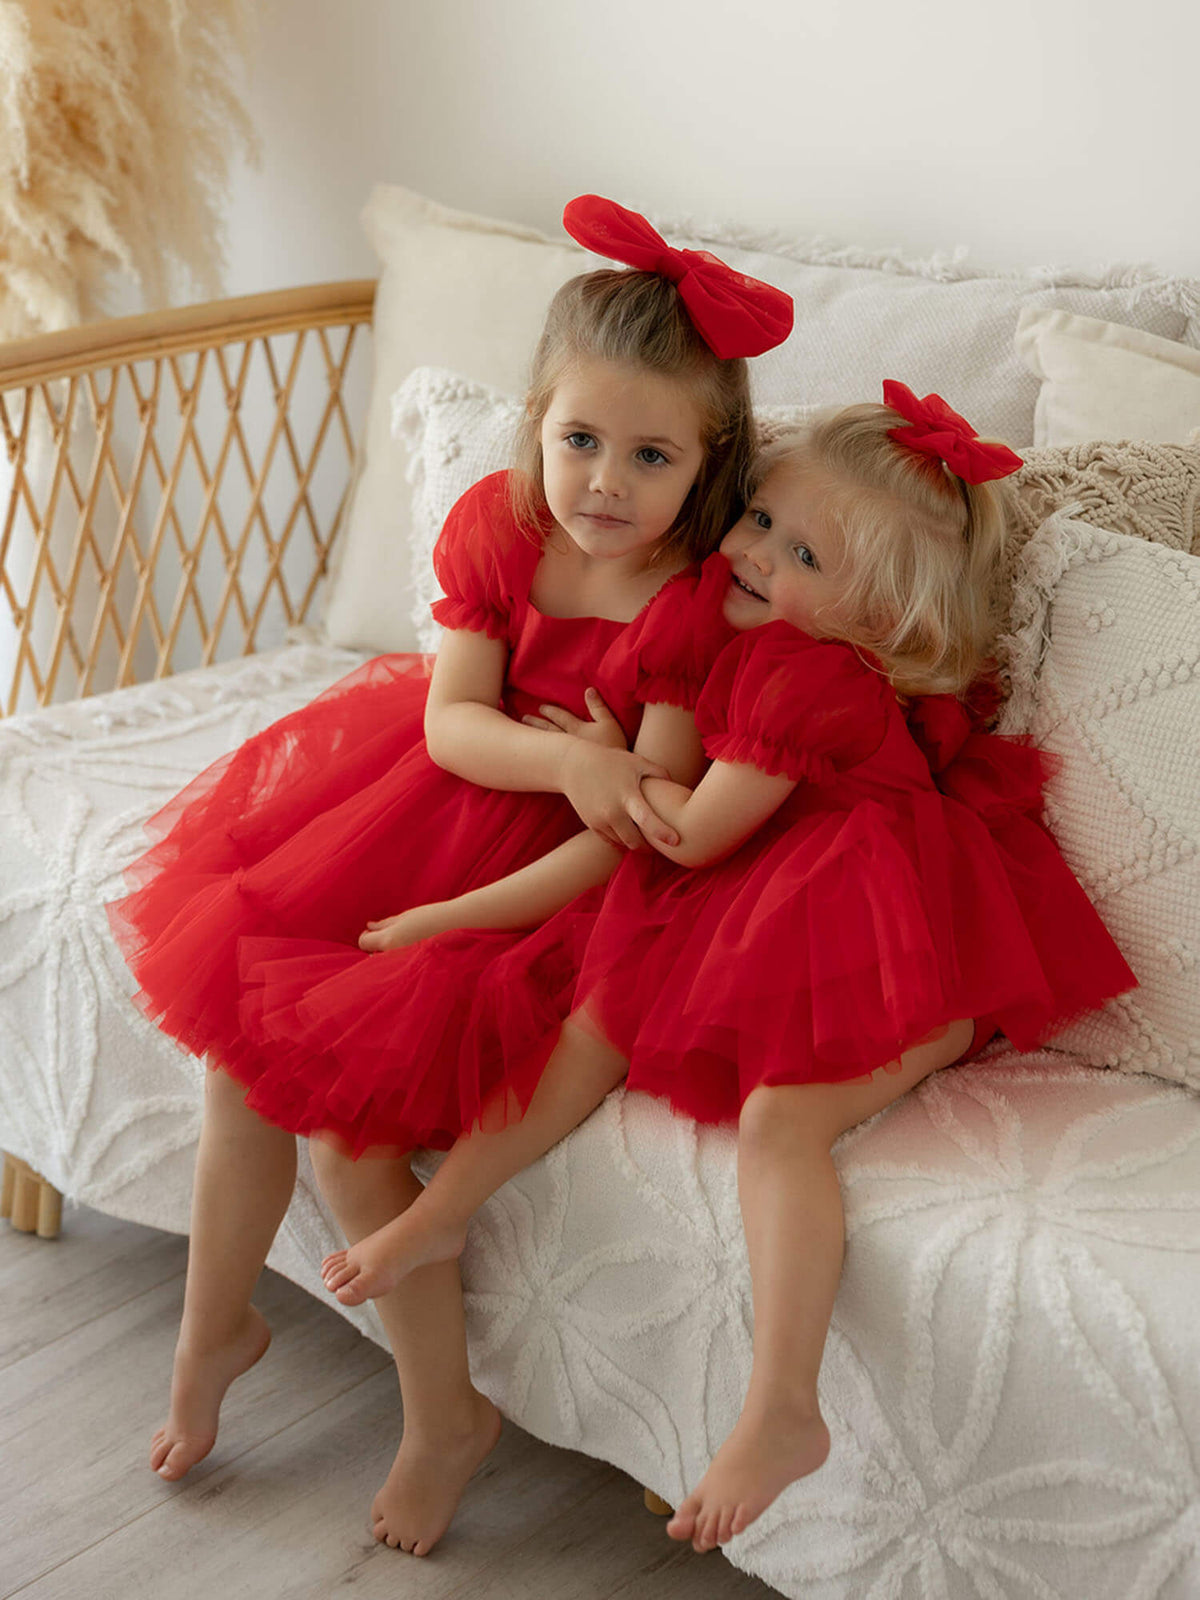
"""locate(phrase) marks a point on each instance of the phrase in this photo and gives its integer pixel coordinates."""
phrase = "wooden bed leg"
(31, 1204)
(657, 1504)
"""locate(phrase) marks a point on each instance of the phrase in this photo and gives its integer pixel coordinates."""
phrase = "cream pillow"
(469, 294)
(1102, 380)
(457, 291)
(454, 432)
(1105, 657)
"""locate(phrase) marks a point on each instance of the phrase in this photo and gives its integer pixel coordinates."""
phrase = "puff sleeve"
(481, 558)
(666, 654)
(795, 706)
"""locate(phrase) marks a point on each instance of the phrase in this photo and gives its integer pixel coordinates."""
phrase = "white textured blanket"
(1011, 1379)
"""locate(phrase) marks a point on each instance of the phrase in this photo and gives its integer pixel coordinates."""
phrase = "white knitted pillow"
(455, 432)
(1105, 657)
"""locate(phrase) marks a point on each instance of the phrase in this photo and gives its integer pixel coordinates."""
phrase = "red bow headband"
(935, 430)
(734, 315)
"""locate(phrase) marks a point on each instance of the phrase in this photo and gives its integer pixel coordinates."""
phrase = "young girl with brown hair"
(393, 789)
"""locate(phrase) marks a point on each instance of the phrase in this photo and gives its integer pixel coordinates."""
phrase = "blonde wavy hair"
(922, 548)
(637, 319)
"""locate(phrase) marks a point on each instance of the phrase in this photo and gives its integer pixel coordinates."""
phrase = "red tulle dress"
(243, 918)
(906, 882)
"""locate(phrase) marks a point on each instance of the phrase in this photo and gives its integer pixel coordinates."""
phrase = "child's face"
(621, 447)
(785, 554)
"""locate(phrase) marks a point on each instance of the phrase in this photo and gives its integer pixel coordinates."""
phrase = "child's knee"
(326, 1161)
(588, 1046)
(779, 1117)
(336, 1173)
(225, 1104)
(342, 1178)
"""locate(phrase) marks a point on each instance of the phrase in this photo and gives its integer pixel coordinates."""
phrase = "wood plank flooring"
(278, 1511)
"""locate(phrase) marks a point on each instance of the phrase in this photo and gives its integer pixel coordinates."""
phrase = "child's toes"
(353, 1292)
(705, 1536)
(332, 1263)
(683, 1524)
(337, 1276)
(725, 1524)
(742, 1518)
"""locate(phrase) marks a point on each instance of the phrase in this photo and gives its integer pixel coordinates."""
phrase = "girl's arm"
(524, 899)
(532, 895)
(467, 733)
(731, 802)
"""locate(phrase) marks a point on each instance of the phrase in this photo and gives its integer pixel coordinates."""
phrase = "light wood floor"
(278, 1511)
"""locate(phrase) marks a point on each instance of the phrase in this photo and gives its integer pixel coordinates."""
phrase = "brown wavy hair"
(637, 319)
(924, 547)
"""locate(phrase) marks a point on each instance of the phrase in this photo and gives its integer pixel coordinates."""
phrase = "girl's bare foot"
(376, 1264)
(198, 1384)
(756, 1463)
(413, 1509)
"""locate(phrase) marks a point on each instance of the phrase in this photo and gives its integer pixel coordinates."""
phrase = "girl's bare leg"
(792, 1212)
(581, 1071)
(245, 1174)
(449, 1427)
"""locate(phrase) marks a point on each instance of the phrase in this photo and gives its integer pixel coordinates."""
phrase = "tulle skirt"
(243, 916)
(823, 948)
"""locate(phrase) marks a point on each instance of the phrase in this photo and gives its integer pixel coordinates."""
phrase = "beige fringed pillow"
(1149, 491)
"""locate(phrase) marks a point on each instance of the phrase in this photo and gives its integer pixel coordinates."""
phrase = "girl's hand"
(408, 927)
(602, 729)
(605, 787)
(602, 779)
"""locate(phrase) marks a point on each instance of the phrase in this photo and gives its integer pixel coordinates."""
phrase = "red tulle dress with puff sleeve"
(906, 882)
(242, 920)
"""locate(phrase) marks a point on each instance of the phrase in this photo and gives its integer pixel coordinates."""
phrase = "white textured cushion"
(455, 432)
(469, 294)
(1101, 380)
(1105, 661)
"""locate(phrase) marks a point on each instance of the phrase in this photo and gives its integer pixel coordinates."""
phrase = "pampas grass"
(118, 123)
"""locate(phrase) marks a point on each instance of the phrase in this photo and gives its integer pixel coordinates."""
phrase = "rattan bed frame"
(115, 417)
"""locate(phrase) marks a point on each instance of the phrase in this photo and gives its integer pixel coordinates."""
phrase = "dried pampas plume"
(118, 123)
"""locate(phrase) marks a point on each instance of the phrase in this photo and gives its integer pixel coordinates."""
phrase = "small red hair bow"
(935, 430)
(734, 315)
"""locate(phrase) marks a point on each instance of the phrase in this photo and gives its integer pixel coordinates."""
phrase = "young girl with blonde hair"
(872, 894)
(393, 789)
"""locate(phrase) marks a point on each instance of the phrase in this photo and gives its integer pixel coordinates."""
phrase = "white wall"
(1038, 131)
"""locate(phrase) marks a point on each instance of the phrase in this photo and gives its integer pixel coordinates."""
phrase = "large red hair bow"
(734, 315)
(935, 430)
